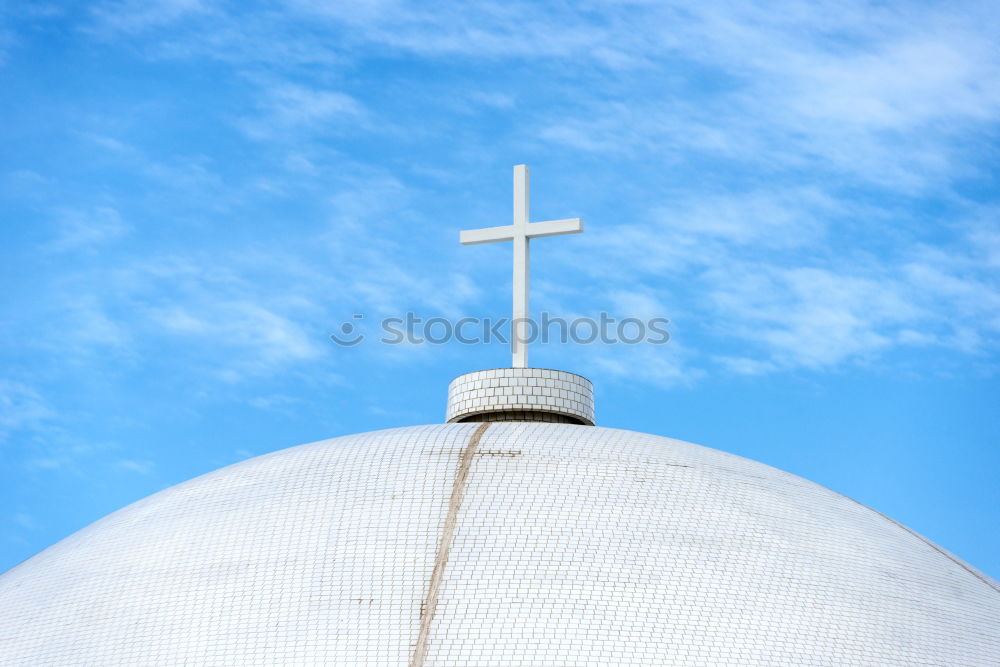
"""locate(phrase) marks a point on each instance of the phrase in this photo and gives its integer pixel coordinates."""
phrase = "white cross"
(521, 233)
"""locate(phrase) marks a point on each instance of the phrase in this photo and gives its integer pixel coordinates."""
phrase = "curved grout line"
(947, 554)
(429, 605)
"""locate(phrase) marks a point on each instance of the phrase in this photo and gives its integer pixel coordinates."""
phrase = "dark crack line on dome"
(954, 559)
(429, 605)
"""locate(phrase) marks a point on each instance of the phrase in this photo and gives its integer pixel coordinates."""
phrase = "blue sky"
(195, 194)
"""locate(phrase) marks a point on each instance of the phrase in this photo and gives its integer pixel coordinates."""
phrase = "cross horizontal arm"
(535, 230)
(555, 227)
(487, 235)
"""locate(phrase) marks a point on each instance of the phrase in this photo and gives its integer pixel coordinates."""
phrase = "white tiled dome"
(535, 544)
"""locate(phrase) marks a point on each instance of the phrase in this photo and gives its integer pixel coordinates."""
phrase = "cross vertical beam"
(522, 260)
(521, 233)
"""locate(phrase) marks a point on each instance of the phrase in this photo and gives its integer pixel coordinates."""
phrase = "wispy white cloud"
(14, 17)
(289, 107)
(476, 29)
(707, 228)
(192, 175)
(746, 365)
(496, 100)
(58, 452)
(134, 466)
(90, 327)
(7, 42)
(249, 311)
(665, 366)
(134, 16)
(263, 339)
(867, 95)
(827, 85)
(809, 316)
(275, 402)
(215, 308)
(819, 107)
(637, 303)
(24, 521)
(78, 230)
(21, 407)
(296, 105)
(768, 272)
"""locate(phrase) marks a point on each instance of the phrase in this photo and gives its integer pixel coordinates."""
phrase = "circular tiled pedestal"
(521, 394)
